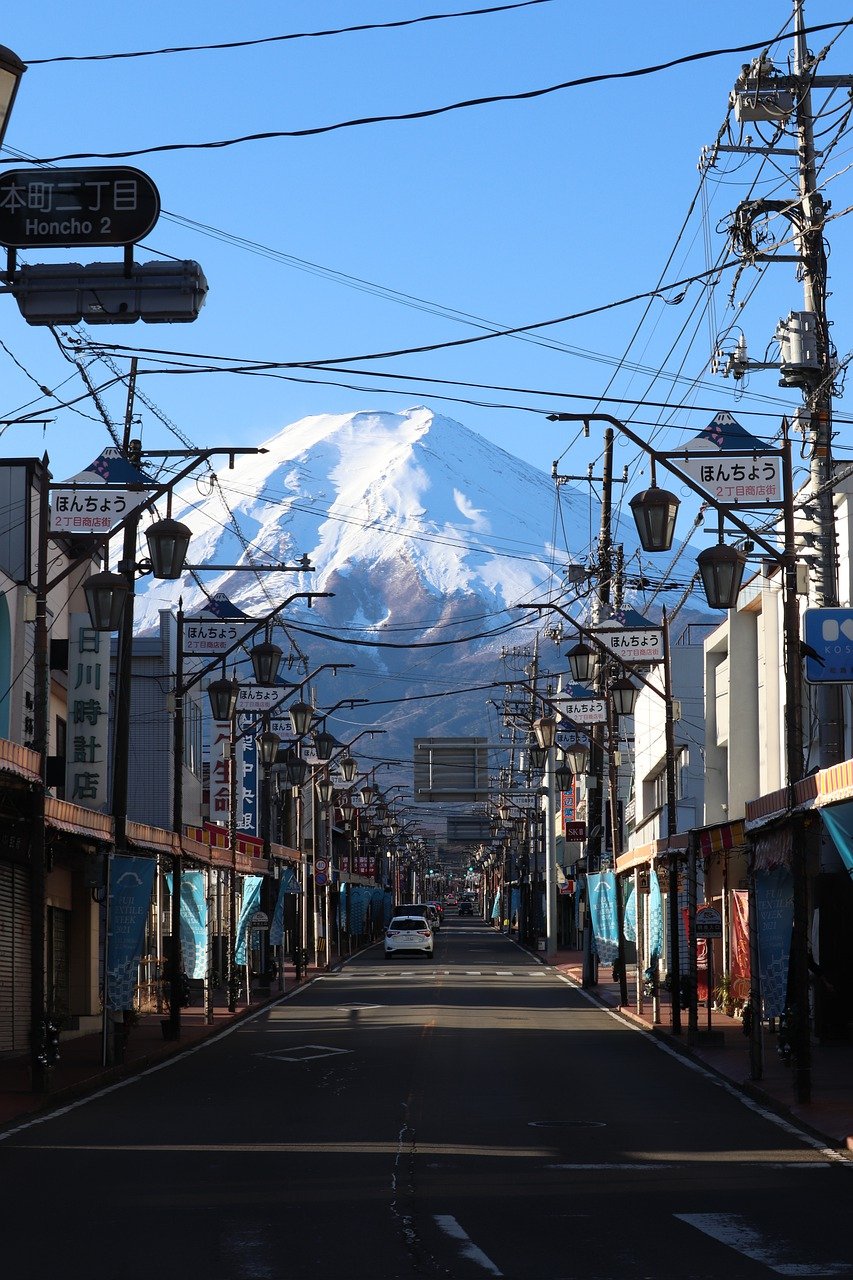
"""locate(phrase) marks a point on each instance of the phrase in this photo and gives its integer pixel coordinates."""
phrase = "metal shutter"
(14, 959)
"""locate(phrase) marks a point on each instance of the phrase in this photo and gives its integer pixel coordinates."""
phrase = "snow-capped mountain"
(427, 535)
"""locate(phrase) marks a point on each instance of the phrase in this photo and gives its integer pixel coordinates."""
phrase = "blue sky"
(513, 212)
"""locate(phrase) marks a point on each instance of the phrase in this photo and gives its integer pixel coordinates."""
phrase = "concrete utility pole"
(818, 389)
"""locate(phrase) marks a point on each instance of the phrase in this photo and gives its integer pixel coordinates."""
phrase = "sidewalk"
(725, 1050)
(80, 1071)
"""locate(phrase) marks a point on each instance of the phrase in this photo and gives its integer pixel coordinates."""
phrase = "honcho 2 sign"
(63, 207)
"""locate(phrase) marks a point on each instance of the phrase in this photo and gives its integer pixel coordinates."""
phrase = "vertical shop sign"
(88, 713)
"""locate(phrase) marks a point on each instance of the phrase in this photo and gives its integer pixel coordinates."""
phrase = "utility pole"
(818, 389)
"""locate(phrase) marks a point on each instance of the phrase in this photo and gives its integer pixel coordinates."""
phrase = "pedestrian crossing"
(364, 974)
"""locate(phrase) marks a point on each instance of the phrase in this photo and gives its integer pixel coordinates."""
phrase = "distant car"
(409, 933)
(427, 909)
(466, 908)
(439, 910)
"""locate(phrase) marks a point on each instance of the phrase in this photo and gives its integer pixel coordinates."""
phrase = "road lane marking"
(734, 1231)
(468, 1249)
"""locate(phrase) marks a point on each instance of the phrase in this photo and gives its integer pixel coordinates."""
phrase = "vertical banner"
(131, 881)
(629, 919)
(655, 917)
(251, 898)
(287, 884)
(774, 910)
(601, 887)
(248, 777)
(220, 793)
(194, 936)
(739, 949)
(88, 713)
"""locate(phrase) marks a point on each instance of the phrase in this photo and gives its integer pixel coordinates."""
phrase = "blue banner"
(601, 889)
(655, 917)
(251, 898)
(774, 912)
(195, 943)
(629, 922)
(287, 884)
(130, 883)
(838, 820)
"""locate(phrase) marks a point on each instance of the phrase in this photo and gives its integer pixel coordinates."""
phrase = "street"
(470, 1116)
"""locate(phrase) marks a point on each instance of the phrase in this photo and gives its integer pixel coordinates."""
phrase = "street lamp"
(11, 71)
(349, 768)
(654, 512)
(105, 594)
(563, 776)
(223, 698)
(301, 714)
(268, 744)
(577, 758)
(324, 745)
(325, 789)
(545, 729)
(266, 658)
(624, 694)
(168, 542)
(721, 567)
(582, 663)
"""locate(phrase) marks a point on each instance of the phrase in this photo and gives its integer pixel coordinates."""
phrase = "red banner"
(739, 960)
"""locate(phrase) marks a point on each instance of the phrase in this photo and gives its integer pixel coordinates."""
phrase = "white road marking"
(636, 1167)
(303, 1053)
(503, 973)
(735, 1232)
(468, 1249)
(473, 973)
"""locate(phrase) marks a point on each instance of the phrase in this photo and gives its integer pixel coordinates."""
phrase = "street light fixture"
(296, 769)
(624, 694)
(168, 542)
(325, 789)
(346, 808)
(577, 758)
(266, 658)
(722, 569)
(105, 593)
(654, 512)
(223, 698)
(545, 729)
(349, 768)
(268, 744)
(367, 792)
(324, 745)
(301, 714)
(563, 776)
(11, 71)
(582, 663)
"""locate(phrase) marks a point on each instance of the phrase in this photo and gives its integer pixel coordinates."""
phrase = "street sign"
(203, 638)
(709, 923)
(582, 710)
(42, 208)
(633, 644)
(575, 831)
(735, 480)
(321, 871)
(93, 510)
(260, 698)
(828, 646)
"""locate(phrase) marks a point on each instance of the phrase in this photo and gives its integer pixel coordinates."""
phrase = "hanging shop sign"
(88, 713)
(40, 208)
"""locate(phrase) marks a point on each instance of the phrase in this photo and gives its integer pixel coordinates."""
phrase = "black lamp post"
(168, 542)
(721, 567)
(654, 512)
(582, 663)
(266, 658)
(223, 698)
(624, 694)
(563, 776)
(268, 744)
(11, 71)
(301, 715)
(105, 594)
(349, 768)
(346, 808)
(545, 729)
(325, 791)
(367, 792)
(296, 769)
(324, 745)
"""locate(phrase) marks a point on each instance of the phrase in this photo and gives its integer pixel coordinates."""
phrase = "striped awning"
(722, 838)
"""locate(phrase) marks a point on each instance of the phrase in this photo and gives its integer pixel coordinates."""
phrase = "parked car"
(439, 908)
(409, 933)
(466, 907)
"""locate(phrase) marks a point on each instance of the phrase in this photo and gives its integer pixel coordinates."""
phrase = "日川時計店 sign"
(64, 207)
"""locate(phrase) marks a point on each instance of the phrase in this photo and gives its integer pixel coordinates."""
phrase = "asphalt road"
(470, 1116)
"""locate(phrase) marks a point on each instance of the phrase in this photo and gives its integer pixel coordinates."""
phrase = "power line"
(430, 112)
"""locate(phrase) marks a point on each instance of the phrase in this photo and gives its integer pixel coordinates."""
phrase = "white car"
(409, 933)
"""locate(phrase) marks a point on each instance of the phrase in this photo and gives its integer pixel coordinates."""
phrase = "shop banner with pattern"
(774, 910)
(131, 881)
(251, 899)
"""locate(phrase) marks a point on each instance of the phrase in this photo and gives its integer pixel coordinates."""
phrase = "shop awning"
(645, 854)
(721, 838)
(20, 761)
(155, 839)
(62, 815)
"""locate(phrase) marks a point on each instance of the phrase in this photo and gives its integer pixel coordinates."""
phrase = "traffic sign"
(40, 208)
(828, 646)
(709, 923)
